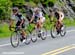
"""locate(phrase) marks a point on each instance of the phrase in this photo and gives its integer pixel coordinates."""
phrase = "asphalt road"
(58, 46)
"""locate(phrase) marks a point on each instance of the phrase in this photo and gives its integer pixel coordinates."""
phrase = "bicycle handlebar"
(14, 28)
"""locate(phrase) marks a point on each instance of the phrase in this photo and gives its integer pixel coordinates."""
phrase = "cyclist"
(38, 18)
(60, 16)
(20, 19)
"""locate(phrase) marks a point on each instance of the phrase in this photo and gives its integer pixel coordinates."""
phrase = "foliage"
(6, 5)
(5, 8)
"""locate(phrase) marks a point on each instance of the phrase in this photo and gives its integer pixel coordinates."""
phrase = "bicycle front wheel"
(53, 32)
(34, 36)
(28, 40)
(14, 39)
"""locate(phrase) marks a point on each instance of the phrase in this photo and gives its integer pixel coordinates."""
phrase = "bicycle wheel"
(53, 32)
(34, 36)
(28, 40)
(14, 39)
(43, 33)
(63, 30)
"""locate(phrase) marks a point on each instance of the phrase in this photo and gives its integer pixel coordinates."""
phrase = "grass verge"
(4, 30)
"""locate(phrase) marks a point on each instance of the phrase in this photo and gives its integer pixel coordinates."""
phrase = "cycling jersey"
(59, 15)
(37, 16)
(17, 17)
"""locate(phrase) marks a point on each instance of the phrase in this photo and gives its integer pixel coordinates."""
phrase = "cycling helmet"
(15, 9)
(36, 9)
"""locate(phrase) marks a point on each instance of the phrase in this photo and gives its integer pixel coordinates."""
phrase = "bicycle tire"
(43, 34)
(28, 40)
(53, 29)
(34, 36)
(63, 31)
(11, 40)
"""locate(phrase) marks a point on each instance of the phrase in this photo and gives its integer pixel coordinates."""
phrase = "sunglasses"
(14, 10)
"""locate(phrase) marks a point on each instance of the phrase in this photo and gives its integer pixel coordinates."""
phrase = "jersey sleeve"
(13, 17)
(40, 14)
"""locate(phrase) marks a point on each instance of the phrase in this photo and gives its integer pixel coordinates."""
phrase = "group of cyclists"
(37, 17)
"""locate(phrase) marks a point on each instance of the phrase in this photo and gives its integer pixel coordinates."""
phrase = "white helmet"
(36, 9)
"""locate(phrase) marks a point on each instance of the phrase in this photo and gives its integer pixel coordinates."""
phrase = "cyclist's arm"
(22, 21)
(31, 19)
(11, 22)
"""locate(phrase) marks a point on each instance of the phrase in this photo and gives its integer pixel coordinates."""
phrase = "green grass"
(69, 22)
(4, 31)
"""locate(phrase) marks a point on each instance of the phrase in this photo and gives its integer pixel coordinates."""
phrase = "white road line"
(71, 31)
(5, 45)
(47, 35)
(73, 44)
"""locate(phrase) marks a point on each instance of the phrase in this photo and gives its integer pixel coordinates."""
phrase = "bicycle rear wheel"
(43, 33)
(14, 39)
(63, 30)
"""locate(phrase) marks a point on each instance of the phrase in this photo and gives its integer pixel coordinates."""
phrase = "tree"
(5, 8)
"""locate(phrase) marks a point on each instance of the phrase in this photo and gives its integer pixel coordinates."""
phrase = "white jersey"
(39, 15)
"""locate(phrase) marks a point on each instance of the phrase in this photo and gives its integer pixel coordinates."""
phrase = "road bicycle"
(38, 33)
(55, 30)
(16, 35)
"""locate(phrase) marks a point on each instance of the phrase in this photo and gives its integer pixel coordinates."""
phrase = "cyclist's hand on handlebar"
(19, 26)
(10, 28)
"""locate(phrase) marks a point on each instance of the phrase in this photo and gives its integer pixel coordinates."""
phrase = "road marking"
(56, 50)
(5, 45)
(10, 43)
(60, 50)
(71, 31)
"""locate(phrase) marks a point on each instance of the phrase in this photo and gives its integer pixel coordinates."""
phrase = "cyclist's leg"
(40, 22)
(23, 32)
(61, 22)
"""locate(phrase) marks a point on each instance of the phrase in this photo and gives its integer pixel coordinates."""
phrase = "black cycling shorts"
(18, 24)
